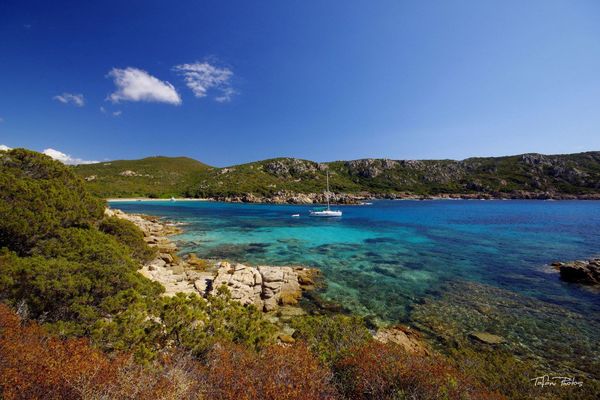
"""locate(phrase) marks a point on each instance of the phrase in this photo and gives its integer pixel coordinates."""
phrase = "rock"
(585, 272)
(166, 257)
(487, 338)
(408, 338)
(285, 338)
(157, 263)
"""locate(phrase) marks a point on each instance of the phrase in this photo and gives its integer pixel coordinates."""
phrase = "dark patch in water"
(384, 271)
(380, 240)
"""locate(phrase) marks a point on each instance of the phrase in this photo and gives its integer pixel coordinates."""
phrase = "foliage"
(331, 337)
(377, 371)
(73, 295)
(149, 177)
(35, 365)
(38, 196)
(501, 371)
(159, 176)
(128, 234)
(277, 373)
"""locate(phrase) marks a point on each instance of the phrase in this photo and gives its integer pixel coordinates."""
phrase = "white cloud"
(67, 98)
(117, 113)
(200, 77)
(136, 85)
(65, 158)
(4, 147)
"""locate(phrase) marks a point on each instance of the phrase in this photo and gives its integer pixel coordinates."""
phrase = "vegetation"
(332, 338)
(576, 174)
(127, 233)
(78, 322)
(148, 177)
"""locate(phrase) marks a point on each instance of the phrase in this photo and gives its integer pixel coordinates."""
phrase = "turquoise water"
(394, 259)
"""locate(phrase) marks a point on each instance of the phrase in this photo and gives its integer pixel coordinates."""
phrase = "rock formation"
(586, 272)
(266, 287)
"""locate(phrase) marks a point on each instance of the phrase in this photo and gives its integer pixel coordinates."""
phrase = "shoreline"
(269, 201)
(275, 290)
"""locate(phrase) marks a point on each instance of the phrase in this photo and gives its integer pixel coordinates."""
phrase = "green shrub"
(331, 337)
(38, 196)
(130, 235)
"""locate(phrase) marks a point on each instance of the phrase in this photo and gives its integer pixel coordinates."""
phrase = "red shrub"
(34, 365)
(387, 371)
(283, 373)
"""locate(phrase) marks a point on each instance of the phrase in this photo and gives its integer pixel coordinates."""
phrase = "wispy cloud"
(137, 85)
(4, 147)
(66, 98)
(201, 77)
(117, 113)
(65, 158)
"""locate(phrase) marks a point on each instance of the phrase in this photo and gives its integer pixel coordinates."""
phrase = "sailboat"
(326, 211)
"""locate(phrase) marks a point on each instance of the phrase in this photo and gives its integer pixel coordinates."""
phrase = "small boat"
(173, 199)
(364, 203)
(325, 211)
(295, 215)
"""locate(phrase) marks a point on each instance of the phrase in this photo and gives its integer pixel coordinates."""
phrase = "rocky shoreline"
(276, 290)
(586, 272)
(359, 198)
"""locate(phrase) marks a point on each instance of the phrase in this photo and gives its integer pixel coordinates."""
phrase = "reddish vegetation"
(35, 365)
(277, 373)
(382, 371)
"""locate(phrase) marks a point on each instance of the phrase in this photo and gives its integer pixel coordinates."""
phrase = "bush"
(377, 371)
(331, 337)
(130, 235)
(278, 373)
(38, 196)
(197, 324)
(34, 365)
(72, 294)
(501, 371)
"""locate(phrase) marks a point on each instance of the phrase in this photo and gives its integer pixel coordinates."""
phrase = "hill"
(283, 179)
(148, 177)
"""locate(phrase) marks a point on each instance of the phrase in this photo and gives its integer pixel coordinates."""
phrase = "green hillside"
(572, 174)
(148, 177)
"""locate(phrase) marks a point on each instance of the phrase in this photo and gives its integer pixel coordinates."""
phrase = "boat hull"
(326, 213)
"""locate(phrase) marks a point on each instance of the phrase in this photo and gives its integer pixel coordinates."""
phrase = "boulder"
(404, 336)
(585, 272)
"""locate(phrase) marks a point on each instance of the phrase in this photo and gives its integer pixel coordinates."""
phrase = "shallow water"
(388, 259)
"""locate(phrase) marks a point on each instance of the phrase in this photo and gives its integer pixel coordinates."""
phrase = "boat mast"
(327, 194)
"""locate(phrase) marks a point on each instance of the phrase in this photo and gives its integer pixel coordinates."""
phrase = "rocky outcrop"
(266, 287)
(410, 339)
(586, 272)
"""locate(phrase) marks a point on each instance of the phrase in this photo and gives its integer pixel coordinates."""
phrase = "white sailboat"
(326, 212)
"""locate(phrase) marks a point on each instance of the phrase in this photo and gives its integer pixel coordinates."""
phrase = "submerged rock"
(487, 338)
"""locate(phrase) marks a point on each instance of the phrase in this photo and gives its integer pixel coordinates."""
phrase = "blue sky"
(227, 82)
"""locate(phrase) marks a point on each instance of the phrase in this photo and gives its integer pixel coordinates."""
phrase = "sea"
(446, 267)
